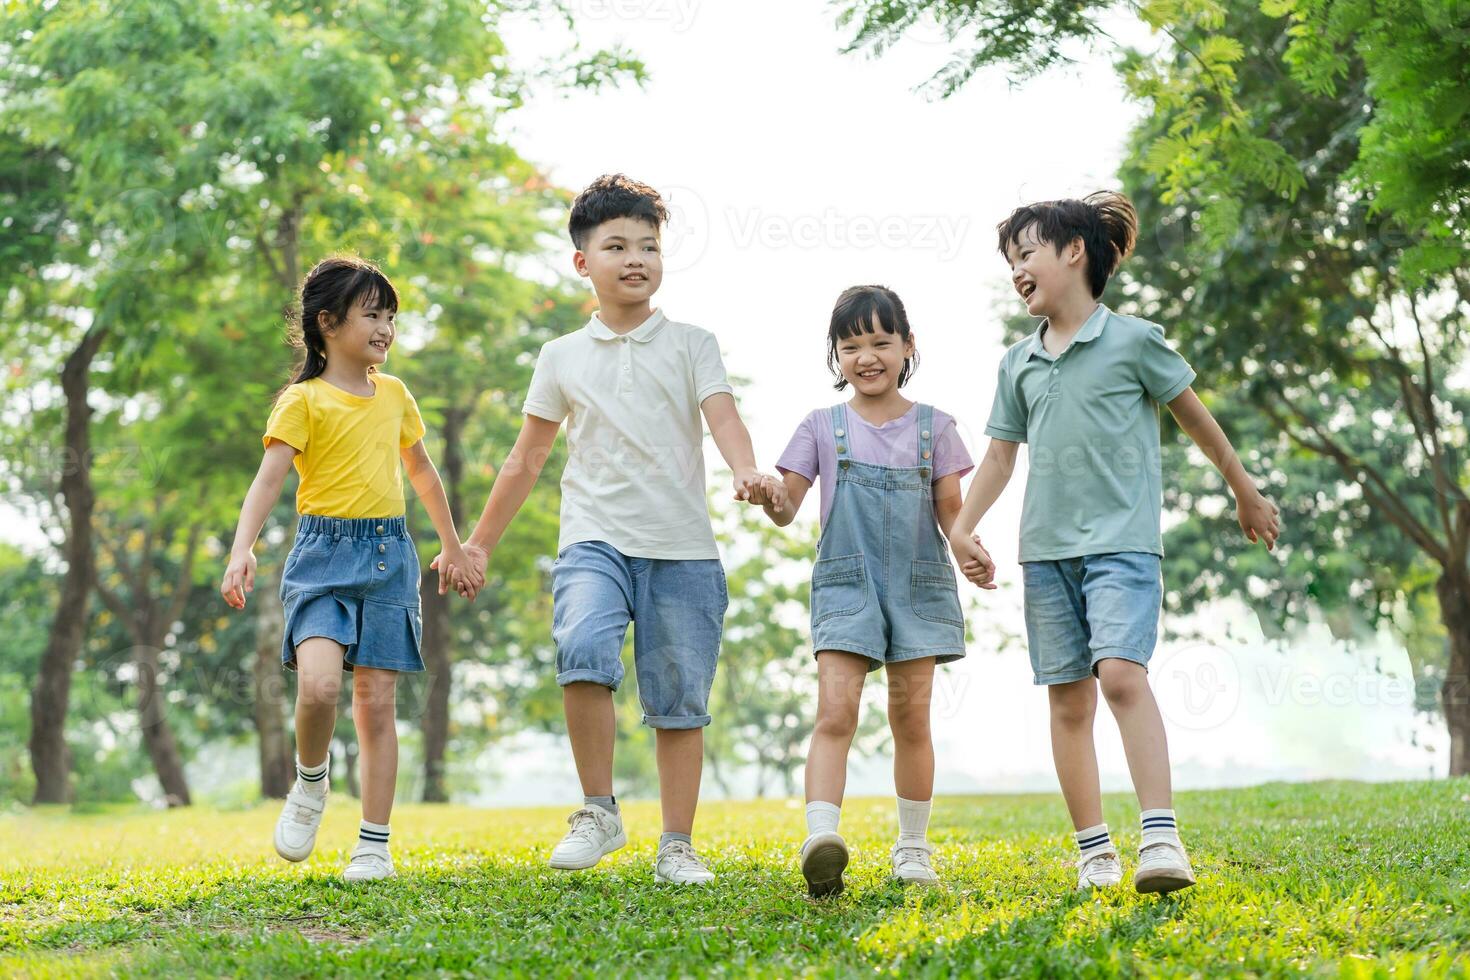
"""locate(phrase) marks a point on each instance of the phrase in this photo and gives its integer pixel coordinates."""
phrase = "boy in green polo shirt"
(1083, 392)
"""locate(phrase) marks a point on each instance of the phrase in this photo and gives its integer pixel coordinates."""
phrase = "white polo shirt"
(635, 436)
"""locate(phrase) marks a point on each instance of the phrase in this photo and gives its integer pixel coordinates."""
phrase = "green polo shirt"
(1090, 417)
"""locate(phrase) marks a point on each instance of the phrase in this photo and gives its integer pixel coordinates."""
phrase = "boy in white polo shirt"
(636, 543)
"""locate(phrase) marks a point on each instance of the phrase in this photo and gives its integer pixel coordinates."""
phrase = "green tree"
(170, 169)
(1302, 189)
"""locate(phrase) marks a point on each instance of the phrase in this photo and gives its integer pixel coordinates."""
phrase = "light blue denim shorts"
(1082, 610)
(677, 608)
(356, 581)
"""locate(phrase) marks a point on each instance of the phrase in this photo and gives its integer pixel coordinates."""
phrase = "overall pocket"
(839, 587)
(933, 594)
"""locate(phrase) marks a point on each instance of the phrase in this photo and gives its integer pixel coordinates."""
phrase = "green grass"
(1336, 879)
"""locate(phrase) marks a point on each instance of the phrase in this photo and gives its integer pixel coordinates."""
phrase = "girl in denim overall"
(883, 590)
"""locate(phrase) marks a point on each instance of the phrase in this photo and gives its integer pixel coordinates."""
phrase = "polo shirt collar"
(642, 333)
(1091, 328)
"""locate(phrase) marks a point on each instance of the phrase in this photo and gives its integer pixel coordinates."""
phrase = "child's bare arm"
(1258, 517)
(424, 478)
(947, 501)
(781, 507)
(732, 439)
(264, 491)
(512, 485)
(991, 478)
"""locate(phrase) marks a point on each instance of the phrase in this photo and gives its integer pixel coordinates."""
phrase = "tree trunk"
(277, 768)
(50, 759)
(438, 664)
(437, 667)
(158, 736)
(1454, 610)
(349, 769)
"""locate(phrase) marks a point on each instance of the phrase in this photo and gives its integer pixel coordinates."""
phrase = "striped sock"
(313, 778)
(1094, 841)
(1159, 828)
(373, 835)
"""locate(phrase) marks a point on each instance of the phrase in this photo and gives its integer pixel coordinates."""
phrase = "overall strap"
(926, 439)
(841, 434)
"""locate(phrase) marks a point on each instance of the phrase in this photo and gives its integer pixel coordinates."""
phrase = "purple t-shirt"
(812, 449)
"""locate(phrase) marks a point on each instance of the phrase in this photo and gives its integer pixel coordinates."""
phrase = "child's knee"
(319, 690)
(374, 718)
(1123, 682)
(1074, 705)
(837, 720)
(909, 727)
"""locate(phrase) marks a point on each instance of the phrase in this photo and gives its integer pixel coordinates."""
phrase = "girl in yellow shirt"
(351, 582)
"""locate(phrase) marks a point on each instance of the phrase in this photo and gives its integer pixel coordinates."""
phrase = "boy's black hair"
(331, 287)
(856, 310)
(1105, 221)
(614, 196)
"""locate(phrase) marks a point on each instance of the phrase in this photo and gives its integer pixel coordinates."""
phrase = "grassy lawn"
(1332, 878)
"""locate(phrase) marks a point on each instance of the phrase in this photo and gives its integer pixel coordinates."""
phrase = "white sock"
(1159, 827)
(372, 836)
(822, 816)
(1093, 841)
(313, 779)
(913, 819)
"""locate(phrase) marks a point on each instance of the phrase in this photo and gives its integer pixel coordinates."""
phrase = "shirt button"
(1056, 370)
(926, 454)
(925, 433)
(382, 548)
(843, 464)
(382, 566)
(840, 433)
(380, 529)
(841, 448)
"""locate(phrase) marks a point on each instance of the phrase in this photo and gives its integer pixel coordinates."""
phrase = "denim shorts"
(356, 581)
(677, 608)
(1082, 610)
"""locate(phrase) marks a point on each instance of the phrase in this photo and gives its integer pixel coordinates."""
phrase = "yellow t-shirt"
(347, 445)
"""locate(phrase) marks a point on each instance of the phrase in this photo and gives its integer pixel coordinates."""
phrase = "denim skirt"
(355, 581)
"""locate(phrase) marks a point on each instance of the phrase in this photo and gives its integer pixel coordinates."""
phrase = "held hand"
(975, 562)
(448, 563)
(1259, 519)
(746, 484)
(455, 568)
(468, 573)
(239, 579)
(774, 490)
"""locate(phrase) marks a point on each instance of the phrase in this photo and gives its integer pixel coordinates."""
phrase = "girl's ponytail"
(332, 286)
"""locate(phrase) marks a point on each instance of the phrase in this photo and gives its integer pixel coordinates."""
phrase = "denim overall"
(883, 586)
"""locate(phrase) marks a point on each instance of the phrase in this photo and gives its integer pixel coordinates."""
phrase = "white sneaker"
(369, 863)
(911, 863)
(823, 859)
(1099, 871)
(297, 825)
(1163, 867)
(595, 832)
(677, 863)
